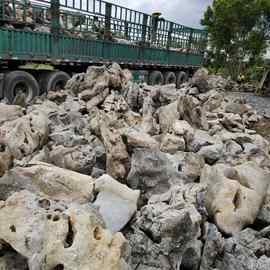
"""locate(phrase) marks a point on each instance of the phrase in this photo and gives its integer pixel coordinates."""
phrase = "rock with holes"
(190, 165)
(55, 235)
(49, 180)
(115, 202)
(164, 234)
(234, 194)
(27, 134)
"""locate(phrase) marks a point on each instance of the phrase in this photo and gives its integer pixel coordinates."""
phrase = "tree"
(239, 29)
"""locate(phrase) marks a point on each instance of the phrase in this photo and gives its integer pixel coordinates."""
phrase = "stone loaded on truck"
(43, 42)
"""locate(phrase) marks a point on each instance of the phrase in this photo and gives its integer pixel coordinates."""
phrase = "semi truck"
(44, 42)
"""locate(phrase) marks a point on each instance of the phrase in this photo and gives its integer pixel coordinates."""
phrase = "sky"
(186, 12)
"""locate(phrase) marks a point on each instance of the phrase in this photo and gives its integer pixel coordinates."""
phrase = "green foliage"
(238, 31)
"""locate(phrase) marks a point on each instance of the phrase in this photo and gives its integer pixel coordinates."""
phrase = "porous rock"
(52, 234)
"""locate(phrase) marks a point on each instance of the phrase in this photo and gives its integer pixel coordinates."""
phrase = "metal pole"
(144, 27)
(108, 14)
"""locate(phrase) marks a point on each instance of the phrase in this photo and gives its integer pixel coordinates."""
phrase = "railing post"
(55, 26)
(144, 27)
(155, 20)
(55, 13)
(169, 42)
(108, 14)
(2, 5)
(126, 30)
(190, 40)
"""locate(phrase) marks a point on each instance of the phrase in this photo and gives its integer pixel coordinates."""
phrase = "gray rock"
(213, 247)
(200, 80)
(167, 116)
(151, 172)
(172, 144)
(211, 153)
(79, 159)
(116, 202)
(165, 235)
(191, 110)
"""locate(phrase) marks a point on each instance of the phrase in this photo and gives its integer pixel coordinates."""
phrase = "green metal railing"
(109, 21)
(94, 31)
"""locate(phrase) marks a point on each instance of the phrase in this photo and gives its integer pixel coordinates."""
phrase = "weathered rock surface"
(151, 172)
(46, 179)
(158, 163)
(165, 233)
(234, 195)
(116, 202)
(53, 235)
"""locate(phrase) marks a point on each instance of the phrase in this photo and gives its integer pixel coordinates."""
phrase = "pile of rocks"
(109, 174)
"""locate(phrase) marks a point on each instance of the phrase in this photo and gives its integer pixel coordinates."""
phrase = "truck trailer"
(44, 42)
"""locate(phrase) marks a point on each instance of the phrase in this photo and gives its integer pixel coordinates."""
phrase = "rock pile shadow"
(109, 174)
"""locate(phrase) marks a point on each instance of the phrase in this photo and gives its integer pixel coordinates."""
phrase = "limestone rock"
(183, 128)
(139, 139)
(246, 250)
(190, 109)
(165, 234)
(200, 80)
(52, 235)
(79, 159)
(190, 165)
(116, 202)
(9, 112)
(151, 172)
(232, 199)
(214, 101)
(201, 139)
(213, 248)
(211, 153)
(117, 158)
(172, 144)
(26, 134)
(167, 116)
(46, 179)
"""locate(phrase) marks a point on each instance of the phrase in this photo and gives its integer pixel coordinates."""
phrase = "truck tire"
(169, 78)
(182, 77)
(156, 78)
(53, 81)
(18, 81)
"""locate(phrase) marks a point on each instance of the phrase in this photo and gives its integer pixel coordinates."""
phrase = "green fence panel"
(27, 45)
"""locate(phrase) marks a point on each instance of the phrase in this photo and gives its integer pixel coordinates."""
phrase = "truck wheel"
(156, 78)
(169, 78)
(53, 81)
(17, 82)
(181, 78)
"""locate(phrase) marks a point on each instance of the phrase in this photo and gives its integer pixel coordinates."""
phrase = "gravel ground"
(260, 104)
